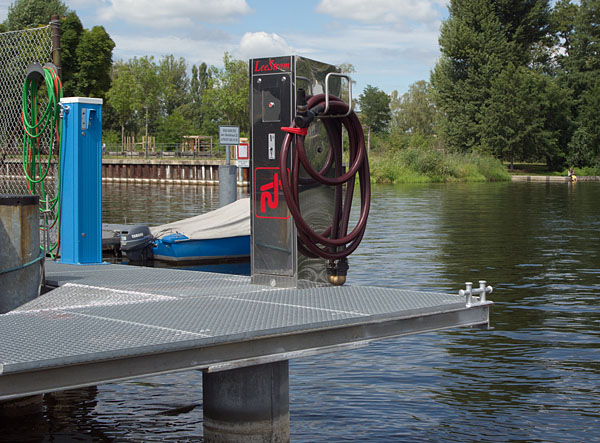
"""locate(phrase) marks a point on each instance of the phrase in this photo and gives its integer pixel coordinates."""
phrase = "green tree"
(195, 91)
(146, 93)
(174, 84)
(584, 148)
(71, 31)
(474, 49)
(581, 73)
(94, 55)
(478, 41)
(375, 112)
(119, 95)
(512, 122)
(414, 112)
(173, 128)
(375, 108)
(562, 21)
(226, 99)
(24, 14)
(526, 23)
(558, 121)
(346, 68)
(198, 84)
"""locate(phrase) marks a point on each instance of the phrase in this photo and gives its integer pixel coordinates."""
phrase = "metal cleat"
(469, 292)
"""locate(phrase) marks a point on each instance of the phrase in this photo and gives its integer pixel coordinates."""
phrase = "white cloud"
(379, 45)
(262, 44)
(4, 4)
(74, 4)
(385, 57)
(193, 51)
(382, 11)
(173, 13)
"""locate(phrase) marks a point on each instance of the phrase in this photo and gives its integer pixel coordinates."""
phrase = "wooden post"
(55, 32)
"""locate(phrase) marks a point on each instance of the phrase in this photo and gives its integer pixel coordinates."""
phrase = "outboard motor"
(137, 244)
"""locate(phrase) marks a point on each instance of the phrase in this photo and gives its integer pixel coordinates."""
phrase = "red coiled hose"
(334, 243)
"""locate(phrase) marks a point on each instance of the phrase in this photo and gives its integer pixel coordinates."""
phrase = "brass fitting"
(336, 271)
(336, 280)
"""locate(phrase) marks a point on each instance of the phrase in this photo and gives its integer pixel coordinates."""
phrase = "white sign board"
(243, 156)
(229, 135)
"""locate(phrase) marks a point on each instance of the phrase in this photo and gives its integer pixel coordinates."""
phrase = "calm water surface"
(535, 377)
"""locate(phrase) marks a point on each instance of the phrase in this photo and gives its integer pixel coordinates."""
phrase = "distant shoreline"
(552, 178)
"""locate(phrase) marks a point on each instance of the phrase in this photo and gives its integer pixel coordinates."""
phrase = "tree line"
(520, 80)
(517, 80)
(164, 98)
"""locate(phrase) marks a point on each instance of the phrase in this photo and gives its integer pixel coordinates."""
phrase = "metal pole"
(55, 31)
(146, 139)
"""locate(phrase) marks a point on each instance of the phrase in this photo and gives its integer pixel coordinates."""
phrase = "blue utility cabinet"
(81, 186)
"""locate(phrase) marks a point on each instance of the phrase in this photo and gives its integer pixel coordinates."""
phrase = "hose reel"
(334, 243)
(42, 126)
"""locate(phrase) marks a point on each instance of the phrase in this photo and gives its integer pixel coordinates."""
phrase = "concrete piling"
(20, 282)
(20, 268)
(249, 405)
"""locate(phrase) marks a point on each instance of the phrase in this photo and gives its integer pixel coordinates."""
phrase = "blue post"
(81, 186)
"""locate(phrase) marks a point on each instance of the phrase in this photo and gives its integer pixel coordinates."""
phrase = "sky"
(390, 43)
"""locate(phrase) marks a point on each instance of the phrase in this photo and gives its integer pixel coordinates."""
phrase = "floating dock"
(106, 323)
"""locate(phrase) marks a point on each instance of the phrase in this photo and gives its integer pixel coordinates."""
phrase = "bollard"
(20, 255)
(249, 405)
(227, 184)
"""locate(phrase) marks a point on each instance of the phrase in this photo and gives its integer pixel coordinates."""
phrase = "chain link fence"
(18, 49)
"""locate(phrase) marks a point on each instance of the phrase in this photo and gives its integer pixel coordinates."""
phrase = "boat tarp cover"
(232, 220)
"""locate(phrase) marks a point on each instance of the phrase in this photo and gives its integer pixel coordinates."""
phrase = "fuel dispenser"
(301, 189)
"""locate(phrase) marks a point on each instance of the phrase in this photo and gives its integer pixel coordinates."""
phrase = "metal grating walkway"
(113, 322)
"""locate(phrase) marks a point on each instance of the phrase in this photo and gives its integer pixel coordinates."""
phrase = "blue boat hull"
(179, 248)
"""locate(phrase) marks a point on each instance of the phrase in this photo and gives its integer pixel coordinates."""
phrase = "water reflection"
(533, 378)
(128, 203)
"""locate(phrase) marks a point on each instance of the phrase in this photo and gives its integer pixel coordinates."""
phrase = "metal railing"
(161, 150)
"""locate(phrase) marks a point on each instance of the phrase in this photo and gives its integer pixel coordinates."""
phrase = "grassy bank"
(426, 165)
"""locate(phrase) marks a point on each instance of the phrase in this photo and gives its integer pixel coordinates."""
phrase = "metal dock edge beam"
(237, 354)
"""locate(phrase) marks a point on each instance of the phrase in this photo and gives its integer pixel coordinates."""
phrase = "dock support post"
(248, 404)
(20, 260)
(227, 184)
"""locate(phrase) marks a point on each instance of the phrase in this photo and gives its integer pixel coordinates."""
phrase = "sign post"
(228, 136)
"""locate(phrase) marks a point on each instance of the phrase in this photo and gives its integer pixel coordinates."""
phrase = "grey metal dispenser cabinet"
(276, 86)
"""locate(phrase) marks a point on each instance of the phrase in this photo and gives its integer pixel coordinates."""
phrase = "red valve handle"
(299, 131)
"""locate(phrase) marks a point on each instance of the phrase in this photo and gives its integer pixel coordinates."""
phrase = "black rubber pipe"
(335, 242)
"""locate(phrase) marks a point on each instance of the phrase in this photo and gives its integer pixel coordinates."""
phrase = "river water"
(534, 377)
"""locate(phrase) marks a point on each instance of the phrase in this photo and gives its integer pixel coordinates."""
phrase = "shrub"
(423, 164)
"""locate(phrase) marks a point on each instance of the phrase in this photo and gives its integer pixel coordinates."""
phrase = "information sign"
(243, 155)
(229, 135)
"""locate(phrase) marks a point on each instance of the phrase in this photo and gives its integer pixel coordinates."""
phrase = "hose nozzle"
(337, 271)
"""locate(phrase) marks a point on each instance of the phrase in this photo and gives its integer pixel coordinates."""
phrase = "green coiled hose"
(38, 127)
